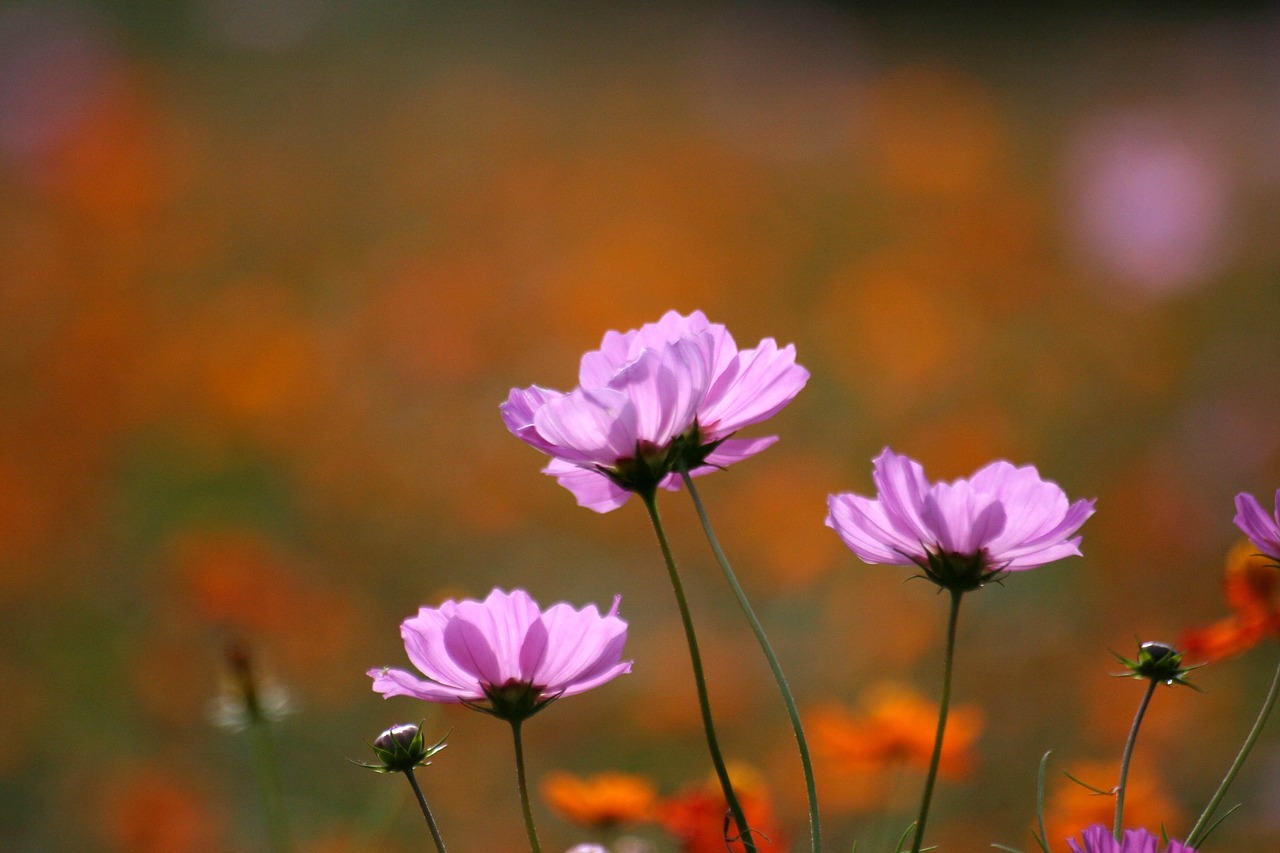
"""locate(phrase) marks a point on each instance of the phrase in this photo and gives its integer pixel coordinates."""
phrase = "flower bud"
(401, 748)
(1156, 662)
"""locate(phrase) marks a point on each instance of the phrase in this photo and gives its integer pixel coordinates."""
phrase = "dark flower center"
(515, 700)
(959, 572)
(652, 463)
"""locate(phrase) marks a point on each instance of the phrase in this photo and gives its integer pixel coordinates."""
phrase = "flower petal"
(869, 532)
(1253, 521)
(755, 386)
(397, 682)
(518, 414)
(902, 488)
(592, 489)
(423, 637)
(962, 519)
(665, 388)
(581, 650)
(591, 426)
(486, 637)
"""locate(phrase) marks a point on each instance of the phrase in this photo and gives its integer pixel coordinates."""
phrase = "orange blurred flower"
(896, 728)
(1249, 584)
(244, 584)
(698, 817)
(602, 801)
(154, 811)
(1070, 807)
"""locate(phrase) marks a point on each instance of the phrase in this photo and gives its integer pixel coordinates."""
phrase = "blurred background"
(268, 267)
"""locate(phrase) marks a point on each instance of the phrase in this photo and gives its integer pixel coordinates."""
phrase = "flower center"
(515, 700)
(959, 572)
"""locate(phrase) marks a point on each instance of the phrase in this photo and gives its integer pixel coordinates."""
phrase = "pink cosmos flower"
(506, 651)
(1098, 839)
(1001, 519)
(1263, 531)
(668, 393)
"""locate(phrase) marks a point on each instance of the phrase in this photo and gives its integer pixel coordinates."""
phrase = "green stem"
(524, 789)
(1202, 825)
(815, 826)
(426, 812)
(1118, 829)
(699, 679)
(943, 705)
(267, 771)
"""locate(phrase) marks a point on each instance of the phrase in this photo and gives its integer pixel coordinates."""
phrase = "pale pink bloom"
(1098, 839)
(506, 650)
(1003, 518)
(649, 399)
(1263, 530)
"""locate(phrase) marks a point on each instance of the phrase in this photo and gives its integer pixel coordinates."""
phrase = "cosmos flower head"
(652, 400)
(505, 655)
(1098, 839)
(962, 534)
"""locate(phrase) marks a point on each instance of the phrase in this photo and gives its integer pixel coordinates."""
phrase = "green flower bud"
(402, 748)
(1156, 662)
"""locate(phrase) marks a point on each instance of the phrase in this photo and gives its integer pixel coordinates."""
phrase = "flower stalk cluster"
(657, 407)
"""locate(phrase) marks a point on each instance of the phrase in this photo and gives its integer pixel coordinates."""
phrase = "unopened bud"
(401, 748)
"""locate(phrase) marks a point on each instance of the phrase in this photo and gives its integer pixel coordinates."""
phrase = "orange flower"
(154, 811)
(1071, 807)
(1249, 584)
(602, 801)
(897, 727)
(698, 817)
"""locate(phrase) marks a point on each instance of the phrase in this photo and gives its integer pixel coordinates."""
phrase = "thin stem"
(699, 679)
(1202, 825)
(1118, 828)
(524, 789)
(426, 812)
(943, 705)
(815, 825)
(267, 771)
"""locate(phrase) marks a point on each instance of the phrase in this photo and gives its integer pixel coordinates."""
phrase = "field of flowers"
(269, 270)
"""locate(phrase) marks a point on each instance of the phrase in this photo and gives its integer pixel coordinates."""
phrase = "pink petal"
(902, 488)
(397, 682)
(962, 520)
(518, 414)
(592, 489)
(755, 386)
(581, 649)
(665, 387)
(868, 531)
(1051, 544)
(593, 426)
(1030, 558)
(488, 635)
(468, 645)
(733, 450)
(618, 349)
(1261, 529)
(1035, 509)
(423, 637)
(597, 368)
